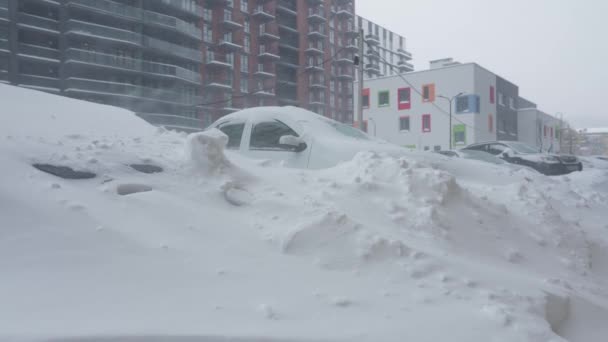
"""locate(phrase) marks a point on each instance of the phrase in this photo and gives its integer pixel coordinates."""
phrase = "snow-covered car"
(474, 155)
(522, 154)
(296, 137)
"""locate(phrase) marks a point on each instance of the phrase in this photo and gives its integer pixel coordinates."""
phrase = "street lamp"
(450, 100)
(372, 120)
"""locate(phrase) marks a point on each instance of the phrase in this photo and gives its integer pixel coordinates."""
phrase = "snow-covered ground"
(218, 247)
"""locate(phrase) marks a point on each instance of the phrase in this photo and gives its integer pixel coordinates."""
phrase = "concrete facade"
(141, 55)
(537, 128)
(385, 51)
(474, 118)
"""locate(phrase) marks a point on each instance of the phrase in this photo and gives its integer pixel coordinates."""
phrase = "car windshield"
(336, 127)
(522, 148)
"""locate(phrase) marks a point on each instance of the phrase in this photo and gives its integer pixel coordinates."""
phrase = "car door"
(264, 143)
(234, 131)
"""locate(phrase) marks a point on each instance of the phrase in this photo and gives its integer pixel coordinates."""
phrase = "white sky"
(556, 51)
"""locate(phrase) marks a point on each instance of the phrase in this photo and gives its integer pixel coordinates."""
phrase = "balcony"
(221, 85)
(287, 10)
(315, 2)
(288, 28)
(173, 24)
(317, 84)
(288, 64)
(229, 45)
(314, 50)
(4, 45)
(265, 54)
(345, 12)
(38, 51)
(214, 62)
(315, 68)
(38, 23)
(3, 14)
(372, 39)
(344, 60)
(81, 28)
(260, 72)
(264, 93)
(39, 82)
(268, 33)
(228, 21)
(316, 34)
(351, 47)
(316, 15)
(351, 31)
(212, 3)
(173, 71)
(405, 66)
(186, 7)
(405, 54)
(373, 68)
(262, 14)
(102, 60)
(172, 49)
(316, 103)
(289, 46)
(345, 76)
(372, 55)
(108, 7)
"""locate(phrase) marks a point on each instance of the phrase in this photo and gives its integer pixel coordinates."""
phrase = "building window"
(208, 36)
(460, 135)
(244, 84)
(384, 98)
(428, 93)
(244, 6)
(244, 63)
(501, 99)
(247, 26)
(426, 123)
(545, 131)
(467, 104)
(511, 103)
(551, 132)
(491, 123)
(404, 98)
(365, 98)
(246, 44)
(492, 95)
(404, 123)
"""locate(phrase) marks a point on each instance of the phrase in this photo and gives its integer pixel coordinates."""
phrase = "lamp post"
(450, 100)
(374, 121)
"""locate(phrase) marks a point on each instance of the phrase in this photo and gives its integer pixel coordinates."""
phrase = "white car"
(296, 137)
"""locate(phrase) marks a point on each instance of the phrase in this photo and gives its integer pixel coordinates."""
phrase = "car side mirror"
(296, 143)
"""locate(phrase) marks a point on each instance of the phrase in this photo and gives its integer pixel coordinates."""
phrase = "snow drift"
(216, 247)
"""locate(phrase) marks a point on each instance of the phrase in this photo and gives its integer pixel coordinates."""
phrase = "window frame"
(425, 130)
(409, 123)
(364, 94)
(492, 95)
(233, 123)
(278, 148)
(431, 97)
(388, 98)
(404, 105)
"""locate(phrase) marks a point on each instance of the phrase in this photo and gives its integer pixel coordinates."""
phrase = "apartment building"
(414, 112)
(279, 52)
(143, 55)
(383, 49)
(537, 128)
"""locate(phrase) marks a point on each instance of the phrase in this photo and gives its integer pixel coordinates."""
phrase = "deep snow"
(381, 248)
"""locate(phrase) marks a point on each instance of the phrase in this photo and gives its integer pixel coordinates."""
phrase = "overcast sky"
(556, 51)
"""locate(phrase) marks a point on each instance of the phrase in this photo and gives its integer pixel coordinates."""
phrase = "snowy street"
(217, 247)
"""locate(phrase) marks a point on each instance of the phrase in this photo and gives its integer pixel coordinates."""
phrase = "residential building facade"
(279, 52)
(140, 55)
(537, 128)
(414, 112)
(382, 49)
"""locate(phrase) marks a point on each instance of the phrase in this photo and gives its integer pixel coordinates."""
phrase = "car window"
(496, 149)
(477, 148)
(266, 136)
(234, 133)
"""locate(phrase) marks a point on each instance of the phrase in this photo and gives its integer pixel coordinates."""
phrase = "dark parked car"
(522, 154)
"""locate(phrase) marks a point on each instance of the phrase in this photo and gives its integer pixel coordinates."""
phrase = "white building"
(537, 128)
(414, 113)
(383, 48)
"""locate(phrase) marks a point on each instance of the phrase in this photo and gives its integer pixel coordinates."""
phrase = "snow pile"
(383, 247)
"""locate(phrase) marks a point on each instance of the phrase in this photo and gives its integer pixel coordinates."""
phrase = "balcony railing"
(173, 49)
(102, 59)
(185, 6)
(316, 14)
(93, 30)
(221, 84)
(262, 13)
(4, 45)
(40, 51)
(4, 4)
(109, 7)
(173, 23)
(214, 61)
(4, 14)
(39, 22)
(171, 70)
(36, 81)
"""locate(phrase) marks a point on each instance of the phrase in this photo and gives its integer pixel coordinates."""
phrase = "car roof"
(272, 112)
